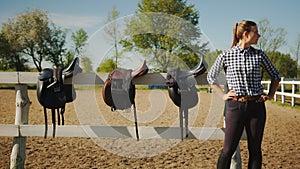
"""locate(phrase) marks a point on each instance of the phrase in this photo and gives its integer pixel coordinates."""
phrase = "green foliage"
(113, 32)
(286, 66)
(31, 34)
(163, 31)
(56, 51)
(107, 66)
(79, 38)
(10, 53)
(86, 64)
(210, 58)
(69, 57)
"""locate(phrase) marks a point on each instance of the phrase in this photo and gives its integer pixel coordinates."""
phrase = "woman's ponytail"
(235, 38)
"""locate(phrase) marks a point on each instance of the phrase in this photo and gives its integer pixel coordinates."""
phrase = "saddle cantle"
(55, 89)
(181, 85)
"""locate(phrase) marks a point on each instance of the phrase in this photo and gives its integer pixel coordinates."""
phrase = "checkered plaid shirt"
(243, 70)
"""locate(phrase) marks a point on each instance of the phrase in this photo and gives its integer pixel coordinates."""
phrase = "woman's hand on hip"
(229, 95)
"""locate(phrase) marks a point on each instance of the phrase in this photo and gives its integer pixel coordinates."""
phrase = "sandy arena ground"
(281, 144)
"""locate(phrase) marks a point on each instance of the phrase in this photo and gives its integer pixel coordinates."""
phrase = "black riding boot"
(223, 162)
(255, 163)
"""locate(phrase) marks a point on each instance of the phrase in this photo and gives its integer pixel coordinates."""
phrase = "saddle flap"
(181, 88)
(121, 79)
(120, 86)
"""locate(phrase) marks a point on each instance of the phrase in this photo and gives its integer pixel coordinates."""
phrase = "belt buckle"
(242, 99)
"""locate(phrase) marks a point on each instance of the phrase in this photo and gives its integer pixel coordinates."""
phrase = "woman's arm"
(273, 88)
(219, 90)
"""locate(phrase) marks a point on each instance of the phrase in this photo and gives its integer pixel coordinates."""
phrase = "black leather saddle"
(53, 93)
(183, 92)
(118, 91)
(181, 85)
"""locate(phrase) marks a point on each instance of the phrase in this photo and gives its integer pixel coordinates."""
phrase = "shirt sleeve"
(268, 66)
(215, 70)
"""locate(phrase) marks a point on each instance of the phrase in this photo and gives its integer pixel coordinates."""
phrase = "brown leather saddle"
(53, 93)
(118, 91)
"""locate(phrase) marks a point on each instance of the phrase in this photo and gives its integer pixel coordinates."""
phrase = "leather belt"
(245, 98)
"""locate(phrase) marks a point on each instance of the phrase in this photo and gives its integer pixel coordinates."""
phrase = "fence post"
(18, 154)
(282, 91)
(275, 95)
(293, 92)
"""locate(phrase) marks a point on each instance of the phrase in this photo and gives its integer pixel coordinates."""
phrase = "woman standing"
(245, 98)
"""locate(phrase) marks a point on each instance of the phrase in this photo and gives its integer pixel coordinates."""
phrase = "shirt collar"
(238, 48)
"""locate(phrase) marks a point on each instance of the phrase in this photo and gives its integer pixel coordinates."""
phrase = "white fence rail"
(21, 129)
(283, 93)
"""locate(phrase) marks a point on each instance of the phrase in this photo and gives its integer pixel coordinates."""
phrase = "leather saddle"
(53, 92)
(118, 91)
(181, 85)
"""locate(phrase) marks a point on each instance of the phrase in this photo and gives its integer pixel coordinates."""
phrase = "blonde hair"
(239, 29)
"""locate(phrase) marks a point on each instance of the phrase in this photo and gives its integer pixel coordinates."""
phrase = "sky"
(217, 17)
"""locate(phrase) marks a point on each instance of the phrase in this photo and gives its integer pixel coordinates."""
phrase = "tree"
(86, 64)
(270, 40)
(112, 30)
(55, 47)
(32, 34)
(29, 31)
(107, 66)
(296, 51)
(166, 32)
(79, 38)
(69, 57)
(10, 50)
(286, 66)
(10, 55)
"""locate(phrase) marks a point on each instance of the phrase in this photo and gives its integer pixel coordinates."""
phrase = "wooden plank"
(28, 77)
(88, 78)
(146, 132)
(287, 94)
(9, 77)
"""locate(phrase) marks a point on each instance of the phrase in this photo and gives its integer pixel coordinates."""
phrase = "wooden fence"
(282, 91)
(21, 129)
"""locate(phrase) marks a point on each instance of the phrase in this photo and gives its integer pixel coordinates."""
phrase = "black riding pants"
(252, 116)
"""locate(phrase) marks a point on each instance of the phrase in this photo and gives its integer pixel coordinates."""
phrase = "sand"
(281, 143)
